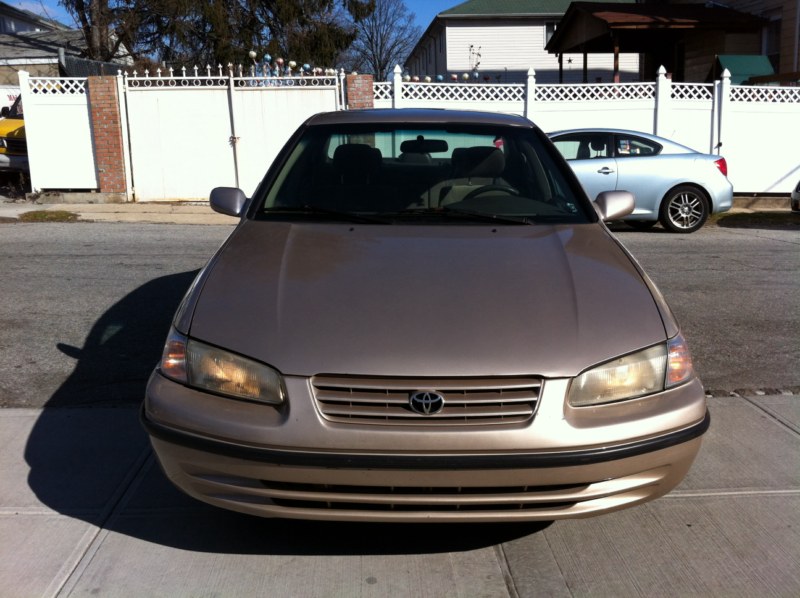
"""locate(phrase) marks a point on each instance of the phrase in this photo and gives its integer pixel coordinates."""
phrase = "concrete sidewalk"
(155, 213)
(84, 509)
(201, 213)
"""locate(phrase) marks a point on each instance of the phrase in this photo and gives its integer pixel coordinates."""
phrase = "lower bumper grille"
(410, 499)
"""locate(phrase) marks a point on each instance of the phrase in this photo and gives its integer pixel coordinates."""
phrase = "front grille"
(16, 146)
(467, 401)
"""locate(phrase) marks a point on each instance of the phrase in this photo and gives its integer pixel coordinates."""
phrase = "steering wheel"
(489, 189)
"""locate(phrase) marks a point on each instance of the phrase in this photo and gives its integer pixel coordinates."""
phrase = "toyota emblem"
(426, 402)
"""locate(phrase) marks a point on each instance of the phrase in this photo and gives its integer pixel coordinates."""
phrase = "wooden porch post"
(585, 66)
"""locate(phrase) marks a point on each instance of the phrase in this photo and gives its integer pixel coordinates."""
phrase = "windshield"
(426, 174)
(15, 111)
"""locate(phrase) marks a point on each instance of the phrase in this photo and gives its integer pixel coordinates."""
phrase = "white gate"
(189, 134)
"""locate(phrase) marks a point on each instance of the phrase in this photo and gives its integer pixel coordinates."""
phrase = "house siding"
(787, 12)
(509, 48)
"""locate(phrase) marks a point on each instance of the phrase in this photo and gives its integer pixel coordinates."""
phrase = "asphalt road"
(736, 294)
(85, 307)
(85, 510)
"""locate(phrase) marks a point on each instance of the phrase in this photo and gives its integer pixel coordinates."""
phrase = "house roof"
(510, 8)
(42, 45)
(29, 17)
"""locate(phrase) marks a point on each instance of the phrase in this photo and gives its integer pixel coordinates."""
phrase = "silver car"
(672, 184)
(420, 316)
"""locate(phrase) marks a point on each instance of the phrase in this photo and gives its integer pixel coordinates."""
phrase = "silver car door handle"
(605, 170)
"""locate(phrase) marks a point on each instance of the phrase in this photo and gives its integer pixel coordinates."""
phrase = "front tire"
(684, 209)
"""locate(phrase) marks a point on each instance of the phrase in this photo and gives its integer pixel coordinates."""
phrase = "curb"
(194, 212)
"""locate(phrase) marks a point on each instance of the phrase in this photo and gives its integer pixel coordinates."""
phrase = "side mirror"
(612, 205)
(228, 200)
(5, 111)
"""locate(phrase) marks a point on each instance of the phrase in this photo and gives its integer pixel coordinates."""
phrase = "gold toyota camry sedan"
(420, 316)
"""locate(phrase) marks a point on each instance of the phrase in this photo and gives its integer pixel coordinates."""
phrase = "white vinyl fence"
(187, 133)
(755, 128)
(58, 132)
(183, 134)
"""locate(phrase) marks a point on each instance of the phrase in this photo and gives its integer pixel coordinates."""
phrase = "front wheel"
(684, 209)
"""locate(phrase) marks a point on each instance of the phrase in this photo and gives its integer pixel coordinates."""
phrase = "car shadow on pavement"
(90, 459)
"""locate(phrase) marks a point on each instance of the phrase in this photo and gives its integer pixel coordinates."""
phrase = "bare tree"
(384, 38)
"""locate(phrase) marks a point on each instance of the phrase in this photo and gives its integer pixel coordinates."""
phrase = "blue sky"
(424, 10)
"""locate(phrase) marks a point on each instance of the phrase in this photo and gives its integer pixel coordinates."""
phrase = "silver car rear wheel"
(684, 209)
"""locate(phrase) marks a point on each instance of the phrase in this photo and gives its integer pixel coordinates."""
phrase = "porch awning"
(597, 27)
(741, 67)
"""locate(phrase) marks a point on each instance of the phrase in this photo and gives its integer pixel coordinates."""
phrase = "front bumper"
(13, 162)
(420, 475)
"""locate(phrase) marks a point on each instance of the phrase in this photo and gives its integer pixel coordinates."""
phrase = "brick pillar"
(107, 134)
(360, 94)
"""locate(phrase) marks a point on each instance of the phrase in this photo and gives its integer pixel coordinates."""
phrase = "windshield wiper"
(447, 212)
(336, 214)
(487, 216)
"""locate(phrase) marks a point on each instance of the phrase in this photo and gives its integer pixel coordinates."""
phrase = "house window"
(549, 30)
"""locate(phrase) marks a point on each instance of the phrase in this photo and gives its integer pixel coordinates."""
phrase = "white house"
(499, 40)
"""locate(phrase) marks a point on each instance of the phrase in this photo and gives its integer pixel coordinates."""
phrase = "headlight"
(635, 375)
(208, 368)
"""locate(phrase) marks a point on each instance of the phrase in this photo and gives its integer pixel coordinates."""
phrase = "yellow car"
(13, 146)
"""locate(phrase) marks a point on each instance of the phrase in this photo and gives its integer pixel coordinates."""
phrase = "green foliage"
(48, 216)
(200, 32)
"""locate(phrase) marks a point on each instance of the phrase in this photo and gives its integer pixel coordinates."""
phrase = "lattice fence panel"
(464, 92)
(595, 92)
(775, 95)
(58, 85)
(382, 90)
(693, 91)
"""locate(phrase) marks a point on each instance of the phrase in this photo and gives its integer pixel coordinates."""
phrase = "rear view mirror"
(423, 146)
(613, 205)
(228, 200)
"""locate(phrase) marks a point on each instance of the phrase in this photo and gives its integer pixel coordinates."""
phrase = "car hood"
(422, 300)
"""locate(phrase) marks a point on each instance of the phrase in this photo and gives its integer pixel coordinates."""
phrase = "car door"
(591, 156)
(643, 172)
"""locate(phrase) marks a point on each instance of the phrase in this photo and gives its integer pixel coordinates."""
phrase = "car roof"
(605, 130)
(422, 116)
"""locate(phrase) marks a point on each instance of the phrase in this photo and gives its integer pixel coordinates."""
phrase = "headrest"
(353, 158)
(598, 145)
(481, 161)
